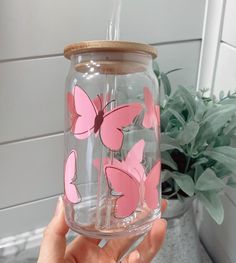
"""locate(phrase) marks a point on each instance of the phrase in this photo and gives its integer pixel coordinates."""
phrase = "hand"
(86, 250)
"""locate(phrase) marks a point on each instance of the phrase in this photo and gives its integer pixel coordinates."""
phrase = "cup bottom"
(84, 219)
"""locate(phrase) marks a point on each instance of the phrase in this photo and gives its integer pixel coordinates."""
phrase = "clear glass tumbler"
(112, 158)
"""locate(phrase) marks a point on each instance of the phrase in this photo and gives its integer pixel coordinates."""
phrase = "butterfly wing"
(114, 121)
(86, 111)
(157, 109)
(151, 183)
(71, 103)
(149, 119)
(128, 186)
(106, 161)
(71, 191)
(71, 109)
(100, 101)
(133, 160)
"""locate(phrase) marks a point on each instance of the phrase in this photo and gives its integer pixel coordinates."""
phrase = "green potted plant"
(198, 159)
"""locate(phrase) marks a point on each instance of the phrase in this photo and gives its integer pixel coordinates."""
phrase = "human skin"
(54, 248)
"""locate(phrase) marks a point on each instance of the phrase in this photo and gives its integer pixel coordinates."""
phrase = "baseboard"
(16, 244)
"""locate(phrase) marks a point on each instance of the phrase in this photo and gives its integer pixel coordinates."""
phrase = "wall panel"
(225, 78)
(31, 170)
(26, 217)
(32, 97)
(229, 29)
(180, 55)
(38, 28)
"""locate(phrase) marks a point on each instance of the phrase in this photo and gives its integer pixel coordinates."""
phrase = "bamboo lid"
(106, 45)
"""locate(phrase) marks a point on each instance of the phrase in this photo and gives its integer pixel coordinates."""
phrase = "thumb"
(54, 241)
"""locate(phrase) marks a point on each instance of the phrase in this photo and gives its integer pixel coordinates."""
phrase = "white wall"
(221, 240)
(32, 73)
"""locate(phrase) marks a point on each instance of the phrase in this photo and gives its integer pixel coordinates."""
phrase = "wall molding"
(212, 32)
(16, 244)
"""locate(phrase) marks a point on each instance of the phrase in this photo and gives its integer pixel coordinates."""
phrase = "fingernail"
(59, 206)
(135, 255)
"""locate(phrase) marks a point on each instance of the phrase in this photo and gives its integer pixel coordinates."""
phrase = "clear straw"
(113, 33)
(113, 29)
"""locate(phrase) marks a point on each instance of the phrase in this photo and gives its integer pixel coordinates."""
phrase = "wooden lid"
(105, 45)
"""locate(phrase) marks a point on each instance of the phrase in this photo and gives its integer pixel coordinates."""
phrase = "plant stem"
(187, 165)
(171, 195)
(189, 157)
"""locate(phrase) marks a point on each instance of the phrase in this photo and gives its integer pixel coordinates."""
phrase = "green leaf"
(157, 72)
(185, 182)
(231, 182)
(170, 117)
(213, 205)
(209, 181)
(200, 110)
(165, 175)
(198, 171)
(225, 155)
(166, 84)
(222, 140)
(188, 99)
(215, 120)
(168, 143)
(231, 126)
(218, 116)
(177, 116)
(231, 100)
(167, 160)
(220, 170)
(173, 70)
(202, 160)
(188, 133)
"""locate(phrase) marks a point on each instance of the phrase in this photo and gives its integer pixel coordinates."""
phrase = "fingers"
(84, 249)
(54, 242)
(115, 248)
(153, 241)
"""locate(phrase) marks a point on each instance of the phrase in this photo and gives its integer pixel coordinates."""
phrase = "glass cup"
(112, 157)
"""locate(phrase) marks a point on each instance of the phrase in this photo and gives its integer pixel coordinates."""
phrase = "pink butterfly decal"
(71, 191)
(152, 114)
(71, 109)
(131, 164)
(98, 102)
(108, 124)
(129, 188)
(158, 114)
